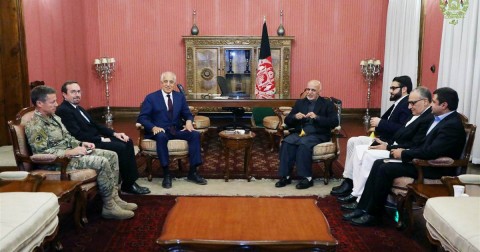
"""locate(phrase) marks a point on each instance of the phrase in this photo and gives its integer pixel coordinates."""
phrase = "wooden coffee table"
(231, 141)
(243, 223)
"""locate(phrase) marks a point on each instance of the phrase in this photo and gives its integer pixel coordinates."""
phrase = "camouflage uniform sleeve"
(68, 137)
(37, 137)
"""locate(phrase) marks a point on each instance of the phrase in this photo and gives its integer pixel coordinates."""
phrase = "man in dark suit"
(81, 125)
(445, 138)
(385, 127)
(412, 134)
(161, 114)
(312, 118)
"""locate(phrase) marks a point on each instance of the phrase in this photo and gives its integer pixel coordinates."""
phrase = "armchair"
(420, 190)
(454, 222)
(28, 162)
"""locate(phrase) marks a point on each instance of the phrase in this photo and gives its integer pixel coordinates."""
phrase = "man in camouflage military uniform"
(47, 135)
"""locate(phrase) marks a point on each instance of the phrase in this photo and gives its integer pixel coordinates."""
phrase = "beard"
(394, 97)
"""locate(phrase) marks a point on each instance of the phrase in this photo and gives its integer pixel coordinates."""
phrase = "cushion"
(399, 186)
(175, 147)
(79, 175)
(13, 175)
(26, 219)
(270, 122)
(454, 222)
(201, 122)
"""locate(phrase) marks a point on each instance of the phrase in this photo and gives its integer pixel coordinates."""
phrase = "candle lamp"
(370, 69)
(105, 67)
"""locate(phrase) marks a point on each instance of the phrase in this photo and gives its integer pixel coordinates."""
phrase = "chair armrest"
(47, 159)
(443, 162)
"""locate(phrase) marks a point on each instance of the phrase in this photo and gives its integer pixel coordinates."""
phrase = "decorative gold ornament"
(206, 73)
(454, 9)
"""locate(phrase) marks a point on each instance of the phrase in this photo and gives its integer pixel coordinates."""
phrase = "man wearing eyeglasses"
(412, 134)
(385, 127)
(312, 119)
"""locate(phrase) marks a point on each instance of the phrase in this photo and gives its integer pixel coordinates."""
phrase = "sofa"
(28, 220)
(454, 222)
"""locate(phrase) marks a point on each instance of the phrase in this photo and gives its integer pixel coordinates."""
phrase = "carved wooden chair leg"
(327, 171)
(271, 139)
(148, 168)
(79, 209)
(180, 164)
(83, 200)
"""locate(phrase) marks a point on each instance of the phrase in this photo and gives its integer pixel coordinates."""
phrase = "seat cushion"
(454, 222)
(175, 147)
(271, 122)
(85, 175)
(399, 186)
(201, 122)
(26, 219)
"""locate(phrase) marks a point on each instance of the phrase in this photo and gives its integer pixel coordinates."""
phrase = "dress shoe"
(344, 190)
(355, 214)
(135, 189)
(364, 220)
(197, 179)
(304, 184)
(336, 188)
(283, 182)
(349, 206)
(167, 182)
(347, 199)
(144, 188)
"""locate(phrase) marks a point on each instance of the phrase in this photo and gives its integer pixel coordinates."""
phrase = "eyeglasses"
(310, 89)
(393, 88)
(414, 102)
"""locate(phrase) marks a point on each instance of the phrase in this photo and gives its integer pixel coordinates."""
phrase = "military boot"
(112, 211)
(121, 203)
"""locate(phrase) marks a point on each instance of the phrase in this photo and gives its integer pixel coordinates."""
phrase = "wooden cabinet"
(236, 59)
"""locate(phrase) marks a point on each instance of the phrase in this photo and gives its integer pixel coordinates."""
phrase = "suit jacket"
(414, 133)
(398, 117)
(79, 127)
(327, 117)
(445, 140)
(154, 112)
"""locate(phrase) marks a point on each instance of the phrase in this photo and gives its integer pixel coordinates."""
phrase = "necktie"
(170, 113)
(170, 106)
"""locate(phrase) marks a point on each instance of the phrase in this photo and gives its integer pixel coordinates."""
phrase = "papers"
(391, 160)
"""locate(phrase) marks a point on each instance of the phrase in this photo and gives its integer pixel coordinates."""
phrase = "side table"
(234, 141)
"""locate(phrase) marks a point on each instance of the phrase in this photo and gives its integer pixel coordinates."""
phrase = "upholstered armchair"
(200, 123)
(406, 189)
(26, 161)
(325, 153)
(177, 150)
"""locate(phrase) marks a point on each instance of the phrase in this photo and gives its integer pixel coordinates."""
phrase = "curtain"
(401, 44)
(459, 66)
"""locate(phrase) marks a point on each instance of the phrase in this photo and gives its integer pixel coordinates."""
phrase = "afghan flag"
(265, 82)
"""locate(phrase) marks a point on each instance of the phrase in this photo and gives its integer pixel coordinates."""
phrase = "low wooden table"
(245, 223)
(232, 141)
(66, 191)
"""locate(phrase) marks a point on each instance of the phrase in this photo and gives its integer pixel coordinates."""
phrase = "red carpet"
(140, 233)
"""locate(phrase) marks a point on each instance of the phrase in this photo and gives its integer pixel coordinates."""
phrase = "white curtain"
(401, 44)
(459, 66)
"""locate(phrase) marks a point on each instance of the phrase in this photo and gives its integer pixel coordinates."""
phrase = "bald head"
(314, 87)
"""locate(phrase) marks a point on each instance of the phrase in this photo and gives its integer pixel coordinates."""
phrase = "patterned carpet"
(265, 162)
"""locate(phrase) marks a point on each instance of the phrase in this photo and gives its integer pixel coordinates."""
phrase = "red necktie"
(170, 106)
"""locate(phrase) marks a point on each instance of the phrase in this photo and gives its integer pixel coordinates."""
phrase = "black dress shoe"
(195, 178)
(349, 206)
(364, 220)
(344, 190)
(304, 184)
(355, 214)
(283, 182)
(347, 199)
(134, 189)
(336, 188)
(167, 182)
(143, 188)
